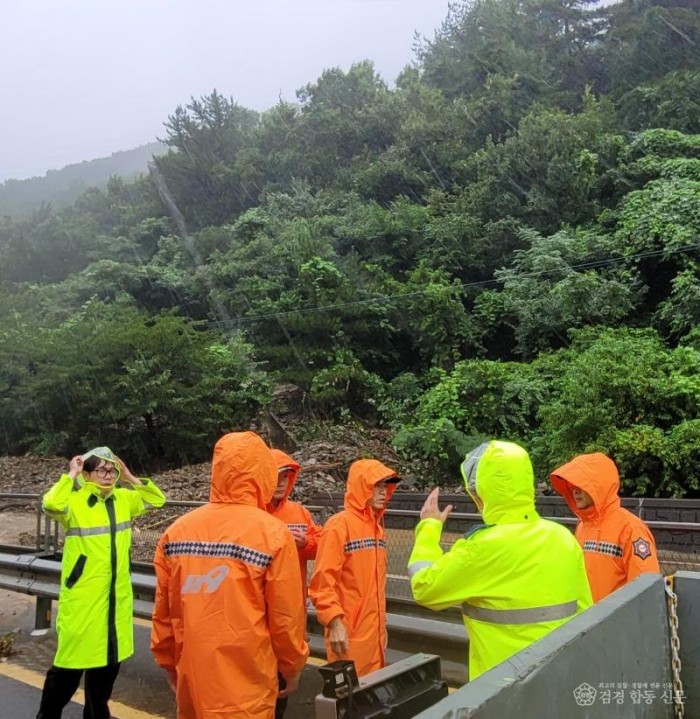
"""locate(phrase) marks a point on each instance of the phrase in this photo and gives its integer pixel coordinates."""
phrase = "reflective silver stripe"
(417, 566)
(91, 531)
(533, 615)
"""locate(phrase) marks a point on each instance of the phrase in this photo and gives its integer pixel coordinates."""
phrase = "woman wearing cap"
(94, 622)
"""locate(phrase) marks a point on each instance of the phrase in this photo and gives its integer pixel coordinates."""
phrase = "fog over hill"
(60, 188)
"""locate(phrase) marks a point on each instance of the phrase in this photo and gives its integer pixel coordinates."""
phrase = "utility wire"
(464, 285)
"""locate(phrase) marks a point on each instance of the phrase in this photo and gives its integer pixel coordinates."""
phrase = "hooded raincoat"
(95, 605)
(227, 615)
(516, 578)
(617, 545)
(349, 579)
(295, 516)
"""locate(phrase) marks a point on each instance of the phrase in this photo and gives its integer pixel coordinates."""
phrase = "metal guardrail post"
(47, 534)
(41, 578)
(42, 616)
(38, 526)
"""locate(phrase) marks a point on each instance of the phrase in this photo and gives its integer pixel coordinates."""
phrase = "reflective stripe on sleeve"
(417, 566)
(92, 531)
(533, 615)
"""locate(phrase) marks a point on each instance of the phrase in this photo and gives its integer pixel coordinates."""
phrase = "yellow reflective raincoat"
(95, 604)
(517, 577)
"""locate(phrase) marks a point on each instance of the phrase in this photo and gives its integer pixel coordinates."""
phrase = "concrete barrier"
(612, 661)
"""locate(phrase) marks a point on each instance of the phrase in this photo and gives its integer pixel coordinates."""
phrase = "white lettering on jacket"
(210, 581)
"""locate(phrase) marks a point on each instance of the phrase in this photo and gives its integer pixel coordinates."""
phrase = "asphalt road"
(20, 701)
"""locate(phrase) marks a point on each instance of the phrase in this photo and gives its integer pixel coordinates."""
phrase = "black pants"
(281, 705)
(60, 685)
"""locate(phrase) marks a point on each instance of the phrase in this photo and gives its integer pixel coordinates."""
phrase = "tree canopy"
(505, 243)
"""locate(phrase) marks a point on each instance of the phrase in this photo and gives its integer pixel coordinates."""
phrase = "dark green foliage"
(627, 394)
(158, 387)
(550, 45)
(505, 244)
(200, 173)
(563, 282)
(647, 39)
(479, 398)
(673, 102)
(616, 391)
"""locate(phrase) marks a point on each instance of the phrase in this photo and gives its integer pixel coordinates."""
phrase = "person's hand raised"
(75, 467)
(125, 474)
(431, 509)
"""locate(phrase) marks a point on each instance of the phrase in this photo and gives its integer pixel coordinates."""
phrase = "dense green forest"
(506, 243)
(60, 188)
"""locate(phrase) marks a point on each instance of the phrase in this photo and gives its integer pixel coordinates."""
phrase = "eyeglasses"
(103, 472)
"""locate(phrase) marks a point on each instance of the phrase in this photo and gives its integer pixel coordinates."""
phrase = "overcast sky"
(81, 79)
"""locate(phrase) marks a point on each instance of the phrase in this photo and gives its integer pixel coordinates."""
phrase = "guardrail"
(678, 542)
(570, 521)
(40, 577)
(410, 629)
(42, 540)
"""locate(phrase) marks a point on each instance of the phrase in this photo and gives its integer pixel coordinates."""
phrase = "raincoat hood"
(593, 473)
(106, 454)
(243, 470)
(363, 475)
(284, 460)
(500, 474)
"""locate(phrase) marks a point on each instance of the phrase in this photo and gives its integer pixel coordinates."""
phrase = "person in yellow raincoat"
(517, 577)
(348, 586)
(95, 606)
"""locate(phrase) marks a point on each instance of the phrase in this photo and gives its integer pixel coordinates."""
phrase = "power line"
(464, 285)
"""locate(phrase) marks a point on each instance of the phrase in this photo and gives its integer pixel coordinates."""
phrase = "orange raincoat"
(227, 615)
(617, 545)
(349, 579)
(295, 516)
